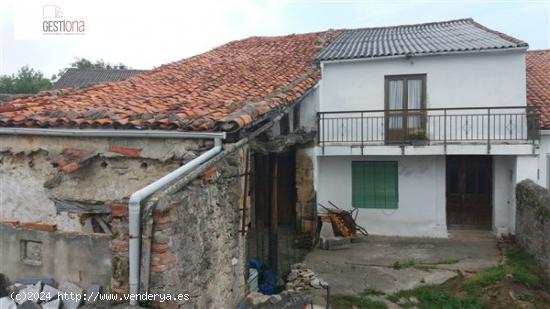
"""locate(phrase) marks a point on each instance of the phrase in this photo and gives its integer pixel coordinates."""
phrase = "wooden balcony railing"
(488, 125)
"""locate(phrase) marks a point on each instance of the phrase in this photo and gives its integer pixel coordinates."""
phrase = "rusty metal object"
(343, 221)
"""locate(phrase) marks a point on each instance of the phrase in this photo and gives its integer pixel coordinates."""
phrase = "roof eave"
(463, 52)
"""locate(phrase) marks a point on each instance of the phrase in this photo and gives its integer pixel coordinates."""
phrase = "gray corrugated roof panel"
(76, 78)
(430, 38)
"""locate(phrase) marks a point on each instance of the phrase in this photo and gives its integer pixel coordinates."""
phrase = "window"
(405, 96)
(374, 184)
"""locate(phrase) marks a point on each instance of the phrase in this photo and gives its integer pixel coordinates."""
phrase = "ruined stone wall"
(60, 183)
(196, 244)
(30, 250)
(207, 251)
(57, 180)
(533, 221)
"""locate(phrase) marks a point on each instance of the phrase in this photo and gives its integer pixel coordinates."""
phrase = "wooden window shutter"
(374, 184)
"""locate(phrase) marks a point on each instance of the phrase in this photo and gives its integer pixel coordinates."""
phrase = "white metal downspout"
(134, 213)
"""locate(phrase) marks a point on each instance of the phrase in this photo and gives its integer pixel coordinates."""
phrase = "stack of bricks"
(163, 266)
(39, 226)
(163, 259)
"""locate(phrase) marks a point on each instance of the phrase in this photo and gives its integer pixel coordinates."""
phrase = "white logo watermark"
(40, 19)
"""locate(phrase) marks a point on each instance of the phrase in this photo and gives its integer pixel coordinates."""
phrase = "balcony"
(482, 127)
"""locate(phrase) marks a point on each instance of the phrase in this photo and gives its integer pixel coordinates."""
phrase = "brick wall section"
(196, 246)
(119, 247)
(533, 221)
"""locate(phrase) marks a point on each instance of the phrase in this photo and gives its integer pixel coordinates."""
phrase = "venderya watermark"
(54, 23)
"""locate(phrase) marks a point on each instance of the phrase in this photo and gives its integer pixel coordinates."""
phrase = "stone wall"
(305, 196)
(35, 250)
(533, 221)
(196, 245)
(44, 176)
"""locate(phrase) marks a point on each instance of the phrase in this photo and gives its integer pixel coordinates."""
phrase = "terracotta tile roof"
(223, 89)
(538, 83)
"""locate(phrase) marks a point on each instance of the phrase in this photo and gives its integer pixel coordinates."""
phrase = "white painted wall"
(544, 159)
(465, 80)
(478, 79)
(474, 80)
(308, 110)
(527, 168)
(422, 202)
(421, 209)
(503, 194)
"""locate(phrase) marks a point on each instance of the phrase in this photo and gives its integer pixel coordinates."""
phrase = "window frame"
(395, 165)
(405, 113)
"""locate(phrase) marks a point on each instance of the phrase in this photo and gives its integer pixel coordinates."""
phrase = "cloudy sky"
(145, 34)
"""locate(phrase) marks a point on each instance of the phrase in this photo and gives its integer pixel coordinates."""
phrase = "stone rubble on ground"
(53, 304)
(31, 289)
(7, 303)
(68, 288)
(92, 291)
(299, 281)
(47, 293)
(28, 305)
(284, 300)
(302, 278)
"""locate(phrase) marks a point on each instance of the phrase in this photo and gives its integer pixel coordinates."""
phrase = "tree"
(27, 80)
(83, 63)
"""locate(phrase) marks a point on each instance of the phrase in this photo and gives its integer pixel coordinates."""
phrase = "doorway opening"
(469, 192)
(273, 231)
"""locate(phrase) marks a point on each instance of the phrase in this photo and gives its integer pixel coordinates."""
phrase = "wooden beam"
(274, 220)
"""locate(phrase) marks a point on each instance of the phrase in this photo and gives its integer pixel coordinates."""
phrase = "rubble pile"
(302, 278)
(33, 294)
(284, 300)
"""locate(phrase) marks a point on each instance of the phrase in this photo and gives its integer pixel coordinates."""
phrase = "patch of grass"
(428, 297)
(524, 277)
(484, 289)
(484, 279)
(528, 297)
(372, 291)
(523, 268)
(361, 302)
(403, 264)
(445, 262)
(424, 266)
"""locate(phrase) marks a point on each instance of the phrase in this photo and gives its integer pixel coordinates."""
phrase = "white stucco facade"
(490, 79)
(474, 80)
(463, 80)
(543, 178)
(422, 187)
(421, 206)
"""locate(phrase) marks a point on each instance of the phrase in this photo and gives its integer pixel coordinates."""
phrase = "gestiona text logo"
(55, 23)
